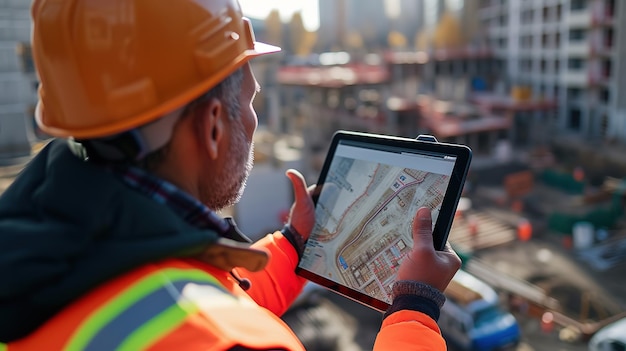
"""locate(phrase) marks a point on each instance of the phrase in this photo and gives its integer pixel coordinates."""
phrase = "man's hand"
(423, 263)
(302, 214)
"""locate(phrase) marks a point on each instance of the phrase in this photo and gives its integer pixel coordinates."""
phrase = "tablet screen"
(370, 193)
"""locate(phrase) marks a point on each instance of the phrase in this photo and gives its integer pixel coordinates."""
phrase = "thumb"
(298, 183)
(302, 214)
(423, 229)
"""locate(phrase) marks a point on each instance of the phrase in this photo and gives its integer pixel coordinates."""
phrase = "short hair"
(227, 91)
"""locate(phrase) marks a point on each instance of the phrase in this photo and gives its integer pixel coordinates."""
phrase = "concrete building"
(341, 18)
(17, 80)
(317, 101)
(433, 9)
(569, 50)
(409, 21)
(372, 20)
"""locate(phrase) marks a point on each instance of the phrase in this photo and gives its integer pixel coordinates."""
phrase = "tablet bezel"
(445, 218)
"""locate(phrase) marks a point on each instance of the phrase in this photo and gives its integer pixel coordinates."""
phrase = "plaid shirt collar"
(188, 207)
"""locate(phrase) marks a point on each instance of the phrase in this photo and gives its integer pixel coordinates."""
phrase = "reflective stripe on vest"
(146, 311)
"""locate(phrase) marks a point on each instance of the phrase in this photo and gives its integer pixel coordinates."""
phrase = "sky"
(260, 9)
(310, 9)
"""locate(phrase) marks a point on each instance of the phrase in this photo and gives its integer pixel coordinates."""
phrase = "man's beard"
(227, 185)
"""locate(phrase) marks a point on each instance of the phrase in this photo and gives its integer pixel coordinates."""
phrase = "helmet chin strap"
(135, 144)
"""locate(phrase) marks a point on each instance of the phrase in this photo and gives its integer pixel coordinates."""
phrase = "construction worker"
(109, 238)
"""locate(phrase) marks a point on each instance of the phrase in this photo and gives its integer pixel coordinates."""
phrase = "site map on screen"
(363, 220)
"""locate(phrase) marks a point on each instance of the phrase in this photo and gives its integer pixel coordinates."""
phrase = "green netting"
(601, 217)
(563, 181)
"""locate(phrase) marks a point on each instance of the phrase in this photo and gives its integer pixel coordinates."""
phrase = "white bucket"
(583, 233)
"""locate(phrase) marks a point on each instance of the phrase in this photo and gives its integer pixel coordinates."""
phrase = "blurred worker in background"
(109, 238)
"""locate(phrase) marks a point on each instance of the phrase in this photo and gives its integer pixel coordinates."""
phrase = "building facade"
(17, 79)
(372, 20)
(568, 50)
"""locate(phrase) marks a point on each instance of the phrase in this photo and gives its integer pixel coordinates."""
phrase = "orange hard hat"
(113, 65)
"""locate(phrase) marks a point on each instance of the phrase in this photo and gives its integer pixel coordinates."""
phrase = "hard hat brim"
(260, 49)
(263, 48)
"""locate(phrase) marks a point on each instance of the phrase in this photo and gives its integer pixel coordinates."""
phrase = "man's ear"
(212, 127)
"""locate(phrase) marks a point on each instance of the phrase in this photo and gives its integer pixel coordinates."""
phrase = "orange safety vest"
(173, 305)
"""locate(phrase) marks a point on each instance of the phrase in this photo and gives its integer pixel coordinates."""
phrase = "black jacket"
(67, 225)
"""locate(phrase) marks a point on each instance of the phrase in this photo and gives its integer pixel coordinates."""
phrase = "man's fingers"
(302, 213)
(448, 250)
(423, 229)
(299, 184)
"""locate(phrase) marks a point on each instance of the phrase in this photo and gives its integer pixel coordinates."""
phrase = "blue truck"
(472, 320)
